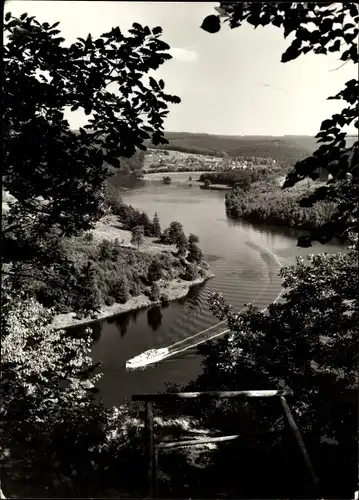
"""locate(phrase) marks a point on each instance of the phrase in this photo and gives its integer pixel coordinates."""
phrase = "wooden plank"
(177, 396)
(150, 443)
(298, 437)
(218, 439)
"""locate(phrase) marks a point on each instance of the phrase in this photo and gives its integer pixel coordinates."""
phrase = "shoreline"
(174, 290)
(215, 187)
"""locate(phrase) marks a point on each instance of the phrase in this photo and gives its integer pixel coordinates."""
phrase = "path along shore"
(173, 290)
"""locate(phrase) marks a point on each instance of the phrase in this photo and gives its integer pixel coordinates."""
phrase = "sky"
(230, 83)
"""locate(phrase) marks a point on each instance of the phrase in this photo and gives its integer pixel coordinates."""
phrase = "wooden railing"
(153, 448)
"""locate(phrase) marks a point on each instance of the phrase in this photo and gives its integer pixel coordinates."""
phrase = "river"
(233, 250)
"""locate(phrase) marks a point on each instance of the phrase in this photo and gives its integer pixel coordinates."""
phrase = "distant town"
(157, 160)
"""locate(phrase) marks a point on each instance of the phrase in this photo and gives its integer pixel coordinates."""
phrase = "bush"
(106, 250)
(109, 300)
(191, 273)
(120, 290)
(88, 237)
(154, 271)
(155, 292)
(164, 299)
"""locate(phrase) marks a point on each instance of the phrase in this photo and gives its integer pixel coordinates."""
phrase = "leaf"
(303, 34)
(335, 46)
(326, 124)
(153, 84)
(349, 37)
(23, 16)
(320, 50)
(326, 25)
(348, 26)
(353, 10)
(157, 30)
(54, 25)
(161, 45)
(211, 24)
(290, 26)
(277, 21)
(137, 26)
(292, 52)
(354, 53)
(161, 83)
(8, 16)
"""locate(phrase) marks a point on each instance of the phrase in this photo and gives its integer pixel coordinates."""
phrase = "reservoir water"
(236, 252)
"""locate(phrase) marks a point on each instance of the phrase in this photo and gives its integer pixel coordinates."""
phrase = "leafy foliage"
(47, 375)
(154, 271)
(37, 360)
(240, 176)
(320, 28)
(102, 77)
(155, 292)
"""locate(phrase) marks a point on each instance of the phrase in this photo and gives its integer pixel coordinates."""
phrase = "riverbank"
(267, 203)
(173, 290)
(215, 187)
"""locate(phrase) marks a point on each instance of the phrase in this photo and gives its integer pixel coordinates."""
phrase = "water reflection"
(79, 331)
(154, 317)
(267, 230)
(122, 322)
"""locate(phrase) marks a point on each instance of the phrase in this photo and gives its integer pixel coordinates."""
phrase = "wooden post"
(298, 437)
(155, 472)
(149, 439)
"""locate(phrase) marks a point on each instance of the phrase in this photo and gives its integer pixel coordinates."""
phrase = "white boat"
(147, 358)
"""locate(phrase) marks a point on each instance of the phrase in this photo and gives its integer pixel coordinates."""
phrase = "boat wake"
(153, 356)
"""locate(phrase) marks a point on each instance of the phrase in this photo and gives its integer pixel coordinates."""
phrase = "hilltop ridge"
(285, 150)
